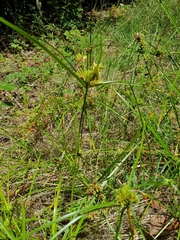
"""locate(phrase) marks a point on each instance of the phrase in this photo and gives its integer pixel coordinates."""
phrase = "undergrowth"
(90, 147)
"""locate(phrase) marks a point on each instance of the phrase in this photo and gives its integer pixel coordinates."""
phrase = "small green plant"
(78, 40)
(18, 45)
(125, 196)
(7, 87)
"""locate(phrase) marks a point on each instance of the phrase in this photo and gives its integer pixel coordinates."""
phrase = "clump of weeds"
(89, 131)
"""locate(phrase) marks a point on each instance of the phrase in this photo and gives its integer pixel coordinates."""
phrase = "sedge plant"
(137, 105)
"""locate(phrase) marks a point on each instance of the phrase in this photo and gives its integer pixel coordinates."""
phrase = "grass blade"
(35, 41)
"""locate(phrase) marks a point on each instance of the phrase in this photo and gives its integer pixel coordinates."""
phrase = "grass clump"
(78, 132)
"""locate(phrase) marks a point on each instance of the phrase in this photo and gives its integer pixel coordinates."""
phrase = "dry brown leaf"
(22, 188)
(157, 205)
(158, 222)
(173, 226)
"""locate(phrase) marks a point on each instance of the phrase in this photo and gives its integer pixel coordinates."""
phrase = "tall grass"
(86, 152)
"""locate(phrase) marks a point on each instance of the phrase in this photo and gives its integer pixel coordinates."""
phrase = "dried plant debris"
(158, 222)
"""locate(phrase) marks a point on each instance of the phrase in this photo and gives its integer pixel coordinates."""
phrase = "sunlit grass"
(71, 141)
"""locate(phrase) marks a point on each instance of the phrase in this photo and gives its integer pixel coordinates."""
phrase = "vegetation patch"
(89, 129)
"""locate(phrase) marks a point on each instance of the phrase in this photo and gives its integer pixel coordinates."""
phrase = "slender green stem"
(130, 222)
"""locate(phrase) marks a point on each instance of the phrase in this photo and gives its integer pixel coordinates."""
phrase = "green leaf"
(9, 104)
(6, 86)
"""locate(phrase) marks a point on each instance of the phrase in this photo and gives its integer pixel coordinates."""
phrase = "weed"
(84, 145)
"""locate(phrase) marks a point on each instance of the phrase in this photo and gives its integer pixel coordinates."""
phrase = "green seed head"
(125, 196)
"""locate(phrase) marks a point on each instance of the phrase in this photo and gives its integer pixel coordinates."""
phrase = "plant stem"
(130, 223)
